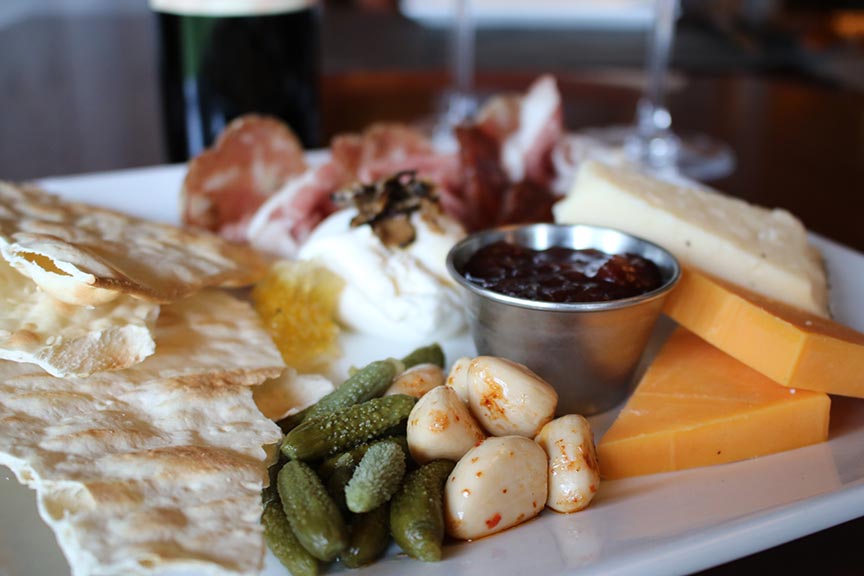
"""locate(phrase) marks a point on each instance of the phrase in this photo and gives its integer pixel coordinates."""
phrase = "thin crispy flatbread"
(158, 466)
(68, 340)
(84, 255)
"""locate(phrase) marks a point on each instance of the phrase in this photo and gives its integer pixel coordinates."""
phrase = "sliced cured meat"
(253, 185)
(225, 185)
(489, 198)
(385, 149)
(499, 116)
(526, 202)
(283, 222)
(527, 154)
(506, 158)
(484, 180)
(526, 129)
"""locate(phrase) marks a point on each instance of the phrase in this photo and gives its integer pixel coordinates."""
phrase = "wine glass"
(459, 101)
(651, 141)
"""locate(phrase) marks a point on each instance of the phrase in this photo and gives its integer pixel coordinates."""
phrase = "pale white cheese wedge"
(761, 249)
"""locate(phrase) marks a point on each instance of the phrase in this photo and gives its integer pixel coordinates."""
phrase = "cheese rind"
(765, 250)
(697, 406)
(792, 347)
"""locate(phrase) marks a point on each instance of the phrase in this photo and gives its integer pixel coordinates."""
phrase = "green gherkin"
(314, 518)
(284, 545)
(369, 382)
(417, 511)
(337, 480)
(377, 477)
(432, 354)
(370, 534)
(321, 437)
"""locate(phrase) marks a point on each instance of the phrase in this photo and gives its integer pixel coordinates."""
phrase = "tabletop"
(80, 96)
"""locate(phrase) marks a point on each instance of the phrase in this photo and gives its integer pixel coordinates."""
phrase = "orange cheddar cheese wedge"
(792, 347)
(697, 406)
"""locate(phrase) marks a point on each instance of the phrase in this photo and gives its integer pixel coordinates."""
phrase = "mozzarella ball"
(507, 398)
(574, 472)
(496, 485)
(458, 377)
(441, 426)
(417, 380)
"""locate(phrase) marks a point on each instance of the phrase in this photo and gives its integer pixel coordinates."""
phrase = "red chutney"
(560, 274)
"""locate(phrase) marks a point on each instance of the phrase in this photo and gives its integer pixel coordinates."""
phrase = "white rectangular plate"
(662, 524)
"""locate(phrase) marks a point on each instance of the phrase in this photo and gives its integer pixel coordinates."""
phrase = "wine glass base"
(453, 109)
(702, 158)
(699, 157)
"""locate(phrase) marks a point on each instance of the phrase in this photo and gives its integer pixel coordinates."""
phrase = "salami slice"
(251, 160)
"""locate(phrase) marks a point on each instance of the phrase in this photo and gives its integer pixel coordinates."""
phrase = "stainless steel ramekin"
(587, 351)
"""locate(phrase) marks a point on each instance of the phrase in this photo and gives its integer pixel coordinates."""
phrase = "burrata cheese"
(397, 293)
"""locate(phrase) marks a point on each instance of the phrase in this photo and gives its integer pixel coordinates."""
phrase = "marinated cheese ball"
(417, 380)
(496, 485)
(458, 377)
(440, 426)
(507, 398)
(574, 473)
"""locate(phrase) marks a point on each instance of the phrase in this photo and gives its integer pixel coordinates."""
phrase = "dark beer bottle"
(219, 59)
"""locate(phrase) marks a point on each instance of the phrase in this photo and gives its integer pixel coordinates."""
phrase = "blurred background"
(780, 81)
(79, 77)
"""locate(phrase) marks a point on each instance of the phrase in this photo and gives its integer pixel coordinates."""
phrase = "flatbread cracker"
(84, 255)
(68, 340)
(158, 466)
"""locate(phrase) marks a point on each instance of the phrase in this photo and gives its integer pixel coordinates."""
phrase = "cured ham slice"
(284, 221)
(489, 198)
(225, 185)
(527, 129)
(385, 149)
(484, 180)
(506, 158)
(255, 187)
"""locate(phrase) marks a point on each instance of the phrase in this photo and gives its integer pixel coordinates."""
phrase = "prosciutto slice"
(254, 185)
(527, 128)
(288, 217)
(506, 157)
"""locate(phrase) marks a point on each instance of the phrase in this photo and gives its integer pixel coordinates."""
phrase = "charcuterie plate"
(660, 524)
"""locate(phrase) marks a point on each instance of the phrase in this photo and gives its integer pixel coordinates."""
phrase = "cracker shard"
(68, 340)
(157, 466)
(85, 255)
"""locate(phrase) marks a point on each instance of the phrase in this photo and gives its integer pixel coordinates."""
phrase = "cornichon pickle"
(285, 546)
(432, 354)
(314, 517)
(377, 477)
(329, 464)
(367, 383)
(290, 422)
(417, 511)
(337, 432)
(370, 534)
(270, 492)
(337, 480)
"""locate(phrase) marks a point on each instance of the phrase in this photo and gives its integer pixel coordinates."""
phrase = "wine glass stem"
(659, 51)
(655, 144)
(462, 60)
